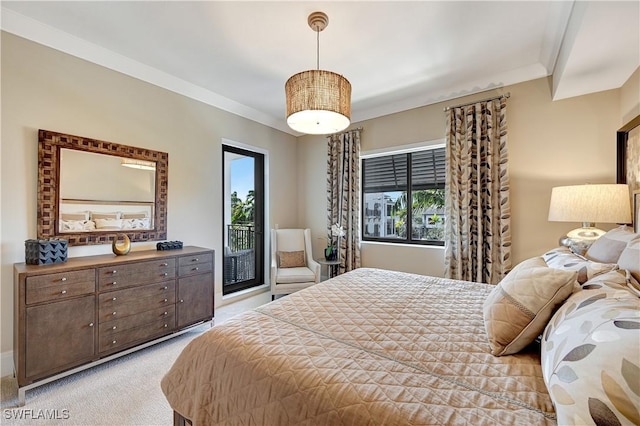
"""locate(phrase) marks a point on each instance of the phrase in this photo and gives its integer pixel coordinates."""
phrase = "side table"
(333, 266)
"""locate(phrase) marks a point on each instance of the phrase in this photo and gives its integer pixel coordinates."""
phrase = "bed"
(97, 215)
(374, 347)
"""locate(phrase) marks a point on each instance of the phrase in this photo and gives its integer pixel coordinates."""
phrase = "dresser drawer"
(134, 274)
(63, 285)
(120, 340)
(110, 328)
(195, 268)
(123, 303)
(186, 263)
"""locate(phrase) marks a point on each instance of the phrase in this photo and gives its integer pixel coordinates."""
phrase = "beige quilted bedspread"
(367, 347)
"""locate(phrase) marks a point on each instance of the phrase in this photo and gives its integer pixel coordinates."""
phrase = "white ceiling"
(237, 55)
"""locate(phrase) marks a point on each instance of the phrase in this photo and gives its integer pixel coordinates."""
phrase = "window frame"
(440, 143)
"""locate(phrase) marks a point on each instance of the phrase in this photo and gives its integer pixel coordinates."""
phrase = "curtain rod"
(347, 131)
(506, 95)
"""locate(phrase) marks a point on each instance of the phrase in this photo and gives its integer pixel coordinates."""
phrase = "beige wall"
(565, 142)
(630, 97)
(45, 89)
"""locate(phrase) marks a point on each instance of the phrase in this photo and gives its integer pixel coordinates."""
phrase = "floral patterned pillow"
(563, 258)
(590, 355)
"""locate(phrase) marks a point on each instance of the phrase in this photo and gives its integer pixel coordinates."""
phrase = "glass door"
(243, 254)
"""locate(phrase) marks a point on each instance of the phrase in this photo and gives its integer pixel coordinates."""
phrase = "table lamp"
(605, 203)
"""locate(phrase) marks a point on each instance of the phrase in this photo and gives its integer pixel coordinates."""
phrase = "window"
(393, 182)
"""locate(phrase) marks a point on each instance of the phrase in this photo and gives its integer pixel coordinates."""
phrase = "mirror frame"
(49, 145)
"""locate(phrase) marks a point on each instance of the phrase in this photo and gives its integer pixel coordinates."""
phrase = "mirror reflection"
(101, 192)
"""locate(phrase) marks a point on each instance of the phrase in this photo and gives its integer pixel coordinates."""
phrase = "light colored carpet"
(125, 391)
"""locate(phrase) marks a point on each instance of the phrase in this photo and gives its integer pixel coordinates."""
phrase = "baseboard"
(6, 364)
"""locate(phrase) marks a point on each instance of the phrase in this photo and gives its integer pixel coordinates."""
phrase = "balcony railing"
(240, 236)
(239, 256)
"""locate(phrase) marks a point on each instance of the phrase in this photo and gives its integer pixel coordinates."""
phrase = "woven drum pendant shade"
(318, 102)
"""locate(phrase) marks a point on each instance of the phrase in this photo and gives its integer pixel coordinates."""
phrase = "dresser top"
(73, 263)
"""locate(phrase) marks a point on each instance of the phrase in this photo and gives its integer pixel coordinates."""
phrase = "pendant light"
(318, 101)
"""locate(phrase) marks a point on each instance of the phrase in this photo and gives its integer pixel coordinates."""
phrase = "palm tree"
(242, 212)
(421, 200)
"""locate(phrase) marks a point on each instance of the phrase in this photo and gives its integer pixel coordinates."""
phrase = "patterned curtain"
(477, 209)
(343, 195)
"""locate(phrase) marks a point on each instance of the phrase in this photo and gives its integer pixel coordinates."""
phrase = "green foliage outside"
(421, 201)
(242, 212)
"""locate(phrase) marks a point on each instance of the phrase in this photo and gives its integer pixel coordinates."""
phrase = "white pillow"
(607, 249)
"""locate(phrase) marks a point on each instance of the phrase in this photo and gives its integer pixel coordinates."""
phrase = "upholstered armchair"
(292, 264)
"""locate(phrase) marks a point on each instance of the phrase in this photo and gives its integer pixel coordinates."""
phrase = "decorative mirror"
(90, 190)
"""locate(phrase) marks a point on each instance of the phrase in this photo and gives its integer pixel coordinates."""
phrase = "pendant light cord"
(317, 48)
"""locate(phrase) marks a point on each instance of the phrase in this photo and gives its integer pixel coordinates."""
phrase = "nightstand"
(333, 267)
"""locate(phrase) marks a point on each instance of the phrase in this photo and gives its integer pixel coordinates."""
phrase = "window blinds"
(389, 173)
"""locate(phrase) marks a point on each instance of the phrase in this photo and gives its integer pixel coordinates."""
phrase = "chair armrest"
(274, 271)
(315, 267)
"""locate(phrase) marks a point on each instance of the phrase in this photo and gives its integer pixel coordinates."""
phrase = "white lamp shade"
(318, 102)
(605, 203)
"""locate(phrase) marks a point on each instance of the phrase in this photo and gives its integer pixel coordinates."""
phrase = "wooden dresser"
(74, 315)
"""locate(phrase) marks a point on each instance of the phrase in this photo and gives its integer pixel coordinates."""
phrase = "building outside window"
(403, 197)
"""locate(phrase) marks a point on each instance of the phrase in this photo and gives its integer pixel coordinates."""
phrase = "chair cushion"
(295, 275)
(291, 259)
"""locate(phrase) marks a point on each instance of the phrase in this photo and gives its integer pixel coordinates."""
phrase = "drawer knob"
(113, 299)
(63, 292)
(195, 259)
(90, 324)
(114, 271)
(164, 264)
(165, 326)
(63, 279)
(114, 327)
(165, 274)
(165, 287)
(165, 300)
(166, 313)
(114, 342)
(114, 312)
(181, 300)
(114, 283)
(196, 268)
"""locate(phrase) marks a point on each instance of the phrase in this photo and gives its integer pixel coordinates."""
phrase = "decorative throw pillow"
(607, 249)
(102, 215)
(108, 223)
(75, 216)
(562, 258)
(630, 258)
(140, 215)
(589, 357)
(77, 225)
(518, 308)
(611, 282)
(291, 259)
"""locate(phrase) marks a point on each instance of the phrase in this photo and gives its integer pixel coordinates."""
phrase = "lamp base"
(586, 233)
(579, 239)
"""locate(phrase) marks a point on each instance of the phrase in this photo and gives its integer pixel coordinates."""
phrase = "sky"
(242, 176)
